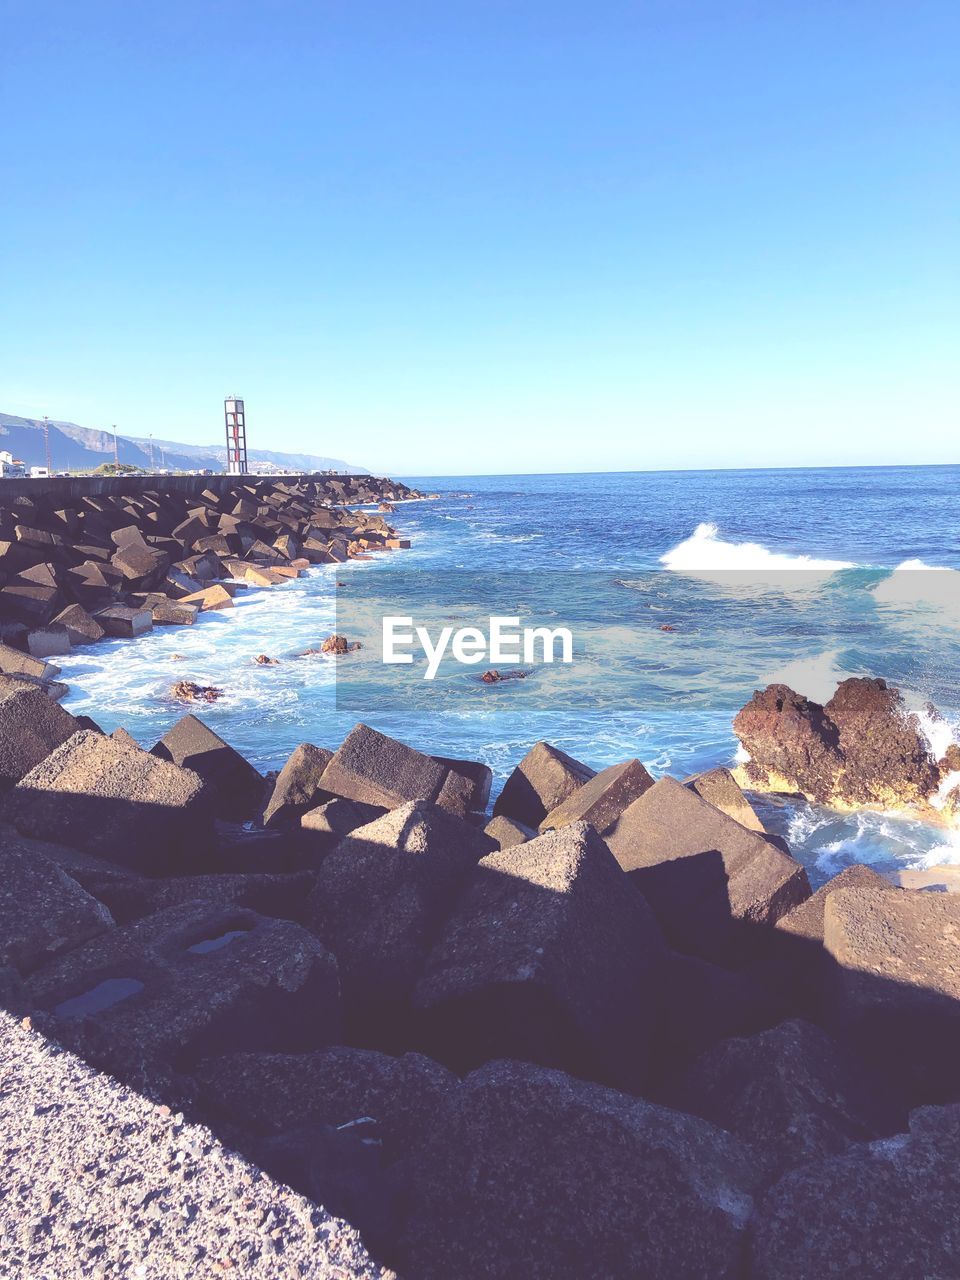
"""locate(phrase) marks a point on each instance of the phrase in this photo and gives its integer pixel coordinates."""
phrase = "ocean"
(685, 592)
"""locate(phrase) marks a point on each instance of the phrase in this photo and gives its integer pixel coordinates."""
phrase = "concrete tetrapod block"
(31, 726)
(42, 911)
(506, 832)
(235, 786)
(118, 620)
(81, 627)
(297, 786)
(527, 1172)
(551, 956)
(897, 976)
(543, 779)
(281, 896)
(466, 788)
(791, 1092)
(191, 979)
(14, 662)
(603, 799)
(883, 1209)
(105, 1182)
(375, 769)
(380, 900)
(276, 1091)
(707, 878)
(114, 801)
(719, 788)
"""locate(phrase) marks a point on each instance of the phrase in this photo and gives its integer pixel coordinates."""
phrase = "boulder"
(941, 879)
(81, 627)
(31, 726)
(602, 800)
(326, 825)
(42, 911)
(118, 620)
(173, 613)
(233, 784)
(381, 898)
(543, 779)
(528, 1172)
(897, 983)
(280, 896)
(791, 1092)
(552, 956)
(192, 979)
(506, 832)
(882, 1209)
(209, 598)
(719, 788)
(14, 662)
(466, 788)
(375, 769)
(273, 1092)
(297, 786)
(863, 747)
(113, 801)
(48, 641)
(708, 879)
(705, 1003)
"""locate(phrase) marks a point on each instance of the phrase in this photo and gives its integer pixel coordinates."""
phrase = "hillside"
(74, 448)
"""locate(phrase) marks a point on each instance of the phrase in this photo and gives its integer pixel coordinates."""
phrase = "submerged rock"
(187, 691)
(863, 748)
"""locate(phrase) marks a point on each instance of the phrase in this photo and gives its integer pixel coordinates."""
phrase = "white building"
(10, 467)
(39, 473)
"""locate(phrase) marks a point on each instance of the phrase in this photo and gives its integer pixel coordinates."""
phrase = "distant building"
(11, 468)
(39, 473)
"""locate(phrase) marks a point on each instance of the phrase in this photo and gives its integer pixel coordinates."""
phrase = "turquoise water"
(805, 576)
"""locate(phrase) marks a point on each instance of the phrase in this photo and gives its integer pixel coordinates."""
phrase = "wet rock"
(381, 897)
(234, 785)
(897, 983)
(42, 911)
(189, 691)
(543, 779)
(528, 1172)
(495, 676)
(602, 800)
(114, 801)
(886, 1208)
(550, 956)
(862, 748)
(193, 978)
(262, 660)
(719, 788)
(297, 786)
(708, 879)
(338, 644)
(791, 1092)
(31, 726)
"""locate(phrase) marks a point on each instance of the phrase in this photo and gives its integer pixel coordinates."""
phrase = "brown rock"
(338, 644)
(188, 691)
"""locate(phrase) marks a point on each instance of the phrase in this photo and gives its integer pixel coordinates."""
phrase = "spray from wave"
(917, 589)
(706, 554)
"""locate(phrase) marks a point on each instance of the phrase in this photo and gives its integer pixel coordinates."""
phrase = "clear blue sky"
(516, 235)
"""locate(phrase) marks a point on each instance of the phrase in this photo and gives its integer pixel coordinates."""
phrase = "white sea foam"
(705, 554)
(816, 677)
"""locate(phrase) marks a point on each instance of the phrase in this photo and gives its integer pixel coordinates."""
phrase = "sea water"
(686, 591)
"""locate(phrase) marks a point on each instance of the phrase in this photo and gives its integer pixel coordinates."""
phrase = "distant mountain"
(73, 448)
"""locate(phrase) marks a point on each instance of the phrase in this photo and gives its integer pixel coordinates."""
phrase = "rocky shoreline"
(602, 1030)
(78, 568)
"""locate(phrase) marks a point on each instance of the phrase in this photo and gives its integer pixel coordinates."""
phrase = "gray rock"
(886, 1209)
(279, 896)
(297, 785)
(31, 726)
(375, 769)
(543, 779)
(506, 832)
(704, 875)
(528, 1172)
(113, 801)
(719, 788)
(274, 1092)
(551, 956)
(97, 1180)
(233, 784)
(603, 799)
(193, 977)
(381, 897)
(466, 788)
(42, 911)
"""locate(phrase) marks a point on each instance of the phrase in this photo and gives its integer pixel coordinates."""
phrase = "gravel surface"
(96, 1181)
